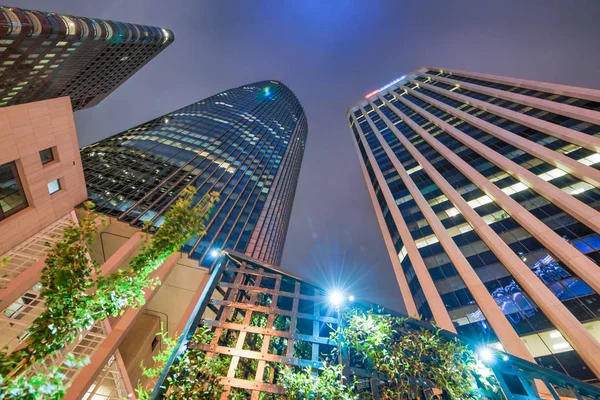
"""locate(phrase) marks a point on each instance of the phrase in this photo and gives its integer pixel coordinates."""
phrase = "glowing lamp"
(486, 354)
(215, 253)
(336, 298)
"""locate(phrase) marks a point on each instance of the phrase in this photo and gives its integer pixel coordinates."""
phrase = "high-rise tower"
(44, 55)
(246, 143)
(486, 192)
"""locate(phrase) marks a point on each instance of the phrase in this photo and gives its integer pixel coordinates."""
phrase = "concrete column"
(581, 139)
(494, 315)
(563, 250)
(409, 302)
(578, 209)
(564, 90)
(580, 339)
(440, 314)
(584, 172)
(567, 110)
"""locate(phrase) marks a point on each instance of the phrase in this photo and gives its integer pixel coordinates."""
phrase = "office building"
(486, 193)
(245, 143)
(45, 55)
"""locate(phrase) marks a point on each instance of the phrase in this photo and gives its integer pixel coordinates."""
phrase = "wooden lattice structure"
(265, 319)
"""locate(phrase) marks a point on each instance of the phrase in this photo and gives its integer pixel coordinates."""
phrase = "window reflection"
(12, 197)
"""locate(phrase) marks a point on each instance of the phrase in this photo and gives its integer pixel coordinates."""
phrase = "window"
(54, 186)
(47, 155)
(12, 197)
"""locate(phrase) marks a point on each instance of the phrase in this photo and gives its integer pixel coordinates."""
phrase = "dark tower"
(246, 143)
(45, 55)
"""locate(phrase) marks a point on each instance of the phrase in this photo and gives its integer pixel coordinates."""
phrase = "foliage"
(156, 369)
(411, 362)
(412, 358)
(77, 295)
(46, 385)
(194, 375)
(327, 384)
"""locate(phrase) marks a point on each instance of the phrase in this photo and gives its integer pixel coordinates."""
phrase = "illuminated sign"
(373, 93)
(381, 89)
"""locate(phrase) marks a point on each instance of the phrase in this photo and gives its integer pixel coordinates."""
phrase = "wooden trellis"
(265, 319)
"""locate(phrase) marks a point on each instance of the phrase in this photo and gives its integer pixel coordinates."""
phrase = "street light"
(486, 354)
(336, 298)
(215, 253)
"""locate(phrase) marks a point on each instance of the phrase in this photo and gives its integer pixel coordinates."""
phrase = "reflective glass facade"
(45, 55)
(494, 181)
(246, 143)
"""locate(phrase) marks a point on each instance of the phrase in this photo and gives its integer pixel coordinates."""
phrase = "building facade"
(41, 178)
(41, 184)
(45, 55)
(486, 193)
(246, 143)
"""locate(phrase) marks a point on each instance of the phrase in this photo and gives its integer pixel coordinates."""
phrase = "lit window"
(61, 43)
(54, 186)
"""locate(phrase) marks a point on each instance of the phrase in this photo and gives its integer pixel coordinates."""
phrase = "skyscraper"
(486, 193)
(246, 143)
(45, 55)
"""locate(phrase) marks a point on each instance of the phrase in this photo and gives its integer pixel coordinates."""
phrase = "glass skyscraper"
(246, 143)
(486, 192)
(44, 55)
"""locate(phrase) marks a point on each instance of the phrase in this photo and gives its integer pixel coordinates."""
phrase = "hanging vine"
(76, 294)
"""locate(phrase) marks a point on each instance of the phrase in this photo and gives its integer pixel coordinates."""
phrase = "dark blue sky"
(331, 53)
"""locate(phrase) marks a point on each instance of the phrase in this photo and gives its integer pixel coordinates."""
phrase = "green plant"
(156, 369)
(77, 295)
(41, 385)
(412, 358)
(303, 384)
(194, 375)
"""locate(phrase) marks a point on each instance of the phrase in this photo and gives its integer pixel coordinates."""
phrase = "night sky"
(331, 53)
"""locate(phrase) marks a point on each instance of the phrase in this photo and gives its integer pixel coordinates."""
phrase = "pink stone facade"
(25, 130)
